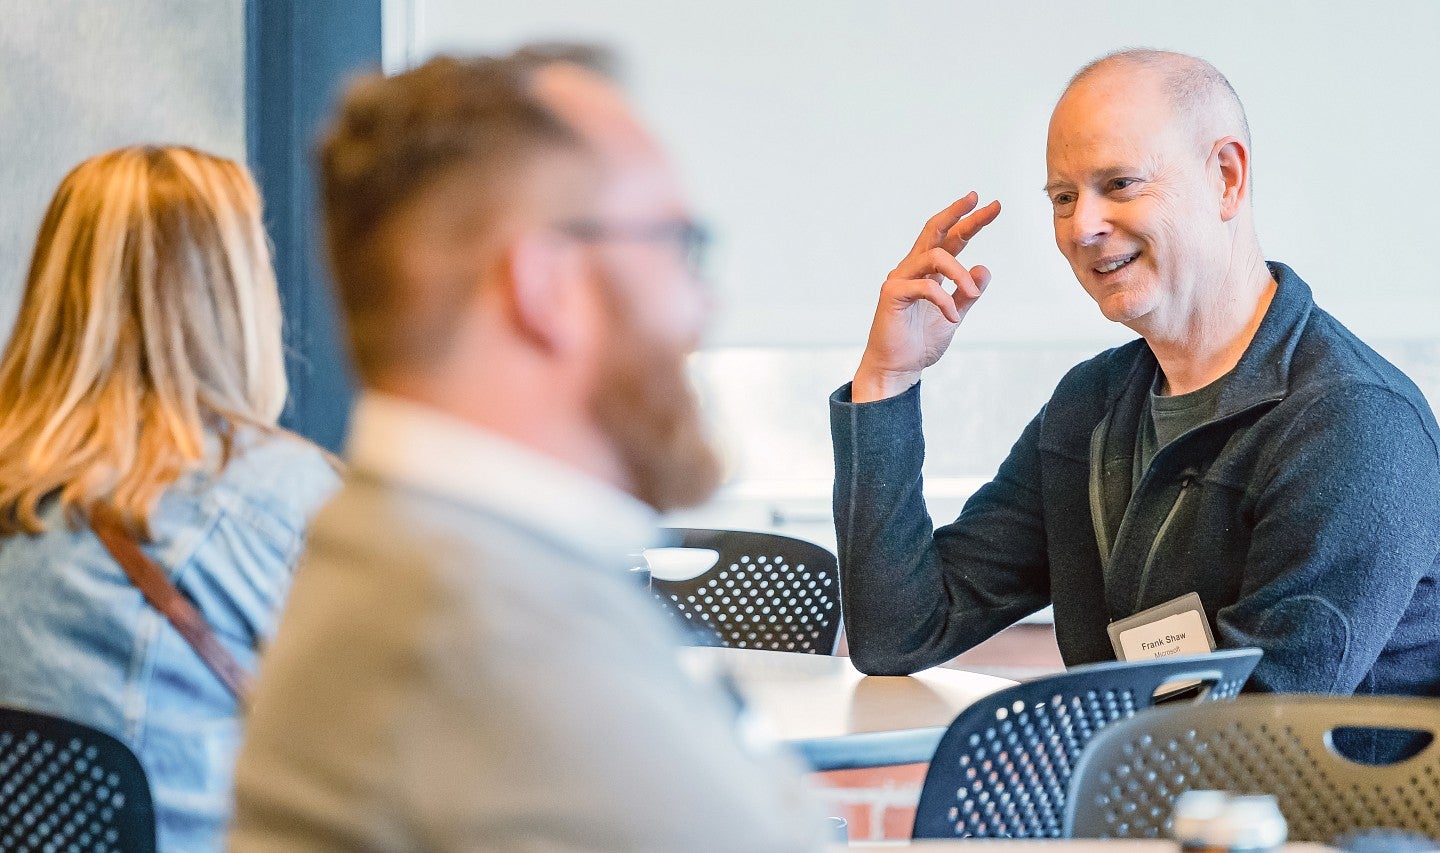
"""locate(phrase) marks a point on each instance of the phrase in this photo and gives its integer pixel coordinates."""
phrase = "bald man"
(1247, 468)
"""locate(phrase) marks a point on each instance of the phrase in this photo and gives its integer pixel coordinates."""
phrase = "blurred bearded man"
(465, 663)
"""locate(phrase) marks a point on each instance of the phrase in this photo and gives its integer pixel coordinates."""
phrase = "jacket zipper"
(1097, 498)
(1097, 507)
(1185, 485)
(1155, 543)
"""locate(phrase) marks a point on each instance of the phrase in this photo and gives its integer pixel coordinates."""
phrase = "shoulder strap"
(150, 579)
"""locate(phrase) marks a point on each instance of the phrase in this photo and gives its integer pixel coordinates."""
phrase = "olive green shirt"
(1166, 418)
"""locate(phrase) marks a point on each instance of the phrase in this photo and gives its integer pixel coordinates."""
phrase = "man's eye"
(1122, 183)
(1062, 199)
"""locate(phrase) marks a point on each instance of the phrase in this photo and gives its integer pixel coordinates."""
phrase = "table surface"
(837, 718)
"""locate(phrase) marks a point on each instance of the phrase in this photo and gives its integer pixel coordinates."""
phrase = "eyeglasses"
(692, 238)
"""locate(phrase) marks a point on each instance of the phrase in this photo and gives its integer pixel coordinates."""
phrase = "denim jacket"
(78, 640)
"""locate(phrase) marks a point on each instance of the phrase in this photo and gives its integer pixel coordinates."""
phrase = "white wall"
(78, 77)
(817, 135)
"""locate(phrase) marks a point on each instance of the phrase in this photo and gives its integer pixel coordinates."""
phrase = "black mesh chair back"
(766, 591)
(1127, 782)
(1003, 767)
(68, 787)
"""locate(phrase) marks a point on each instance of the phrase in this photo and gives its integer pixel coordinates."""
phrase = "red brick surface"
(873, 777)
(877, 802)
(898, 821)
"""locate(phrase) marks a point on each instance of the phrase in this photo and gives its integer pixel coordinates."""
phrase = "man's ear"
(1232, 161)
(543, 278)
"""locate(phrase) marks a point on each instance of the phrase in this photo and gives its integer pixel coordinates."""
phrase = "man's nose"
(1090, 223)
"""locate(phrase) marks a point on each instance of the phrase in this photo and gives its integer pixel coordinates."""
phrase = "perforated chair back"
(1127, 782)
(65, 786)
(1003, 766)
(765, 591)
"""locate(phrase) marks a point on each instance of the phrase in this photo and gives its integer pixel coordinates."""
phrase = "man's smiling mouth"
(1112, 264)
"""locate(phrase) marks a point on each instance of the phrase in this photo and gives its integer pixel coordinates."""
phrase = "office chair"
(765, 591)
(1003, 767)
(65, 786)
(1127, 781)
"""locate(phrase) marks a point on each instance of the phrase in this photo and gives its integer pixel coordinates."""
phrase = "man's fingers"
(935, 263)
(981, 276)
(965, 229)
(938, 226)
(968, 289)
(905, 292)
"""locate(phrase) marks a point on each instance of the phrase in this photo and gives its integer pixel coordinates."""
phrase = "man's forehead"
(1130, 96)
(596, 109)
(1110, 120)
(635, 172)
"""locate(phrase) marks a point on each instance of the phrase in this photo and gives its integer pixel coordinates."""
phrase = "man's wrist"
(871, 385)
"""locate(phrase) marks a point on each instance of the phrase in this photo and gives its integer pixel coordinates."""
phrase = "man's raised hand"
(917, 317)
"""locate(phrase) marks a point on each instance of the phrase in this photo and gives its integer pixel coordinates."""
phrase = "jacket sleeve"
(1344, 532)
(913, 596)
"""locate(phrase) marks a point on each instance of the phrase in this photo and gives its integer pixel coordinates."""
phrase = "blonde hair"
(150, 318)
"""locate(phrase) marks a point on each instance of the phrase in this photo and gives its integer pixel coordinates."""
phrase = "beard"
(645, 406)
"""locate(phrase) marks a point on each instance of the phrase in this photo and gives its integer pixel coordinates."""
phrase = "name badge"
(1177, 627)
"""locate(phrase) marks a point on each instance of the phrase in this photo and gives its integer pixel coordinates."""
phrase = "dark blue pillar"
(299, 53)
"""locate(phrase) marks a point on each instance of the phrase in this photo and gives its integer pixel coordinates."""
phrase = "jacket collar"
(420, 448)
(1263, 372)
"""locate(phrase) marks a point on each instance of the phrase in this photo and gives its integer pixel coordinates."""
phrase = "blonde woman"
(142, 384)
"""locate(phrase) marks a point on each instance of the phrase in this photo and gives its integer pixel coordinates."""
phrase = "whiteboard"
(815, 136)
